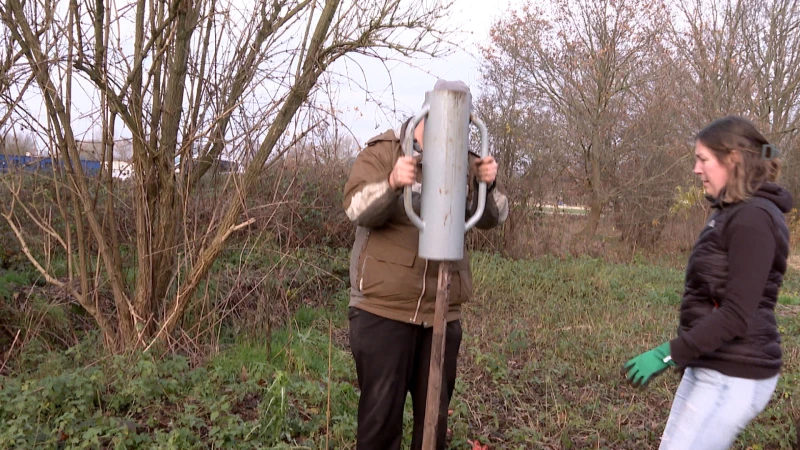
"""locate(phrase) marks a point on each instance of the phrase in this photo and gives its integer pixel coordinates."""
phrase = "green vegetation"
(540, 369)
(546, 343)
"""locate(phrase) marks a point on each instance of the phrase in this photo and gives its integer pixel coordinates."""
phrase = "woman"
(728, 341)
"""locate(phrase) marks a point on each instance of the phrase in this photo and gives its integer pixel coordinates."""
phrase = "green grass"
(546, 342)
(10, 280)
(539, 369)
(249, 396)
(790, 291)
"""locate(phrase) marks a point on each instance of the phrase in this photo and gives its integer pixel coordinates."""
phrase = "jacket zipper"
(422, 294)
(361, 280)
(363, 265)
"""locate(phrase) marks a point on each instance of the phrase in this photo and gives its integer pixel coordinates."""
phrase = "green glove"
(649, 364)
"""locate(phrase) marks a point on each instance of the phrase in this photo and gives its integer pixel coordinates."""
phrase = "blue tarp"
(43, 164)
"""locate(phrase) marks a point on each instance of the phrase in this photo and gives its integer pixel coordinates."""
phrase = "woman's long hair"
(757, 162)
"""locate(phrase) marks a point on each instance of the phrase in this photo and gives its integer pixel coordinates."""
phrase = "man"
(393, 290)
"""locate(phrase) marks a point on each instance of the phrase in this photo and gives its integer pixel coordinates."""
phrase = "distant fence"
(10, 163)
(91, 168)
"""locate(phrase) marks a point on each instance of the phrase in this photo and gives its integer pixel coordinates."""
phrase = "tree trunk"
(596, 202)
(593, 219)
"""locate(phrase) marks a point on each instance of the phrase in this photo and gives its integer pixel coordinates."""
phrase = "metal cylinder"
(445, 161)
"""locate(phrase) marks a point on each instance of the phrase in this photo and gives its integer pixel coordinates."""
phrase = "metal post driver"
(447, 115)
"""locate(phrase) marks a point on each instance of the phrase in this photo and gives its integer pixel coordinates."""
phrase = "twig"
(238, 227)
(8, 355)
(180, 303)
(328, 412)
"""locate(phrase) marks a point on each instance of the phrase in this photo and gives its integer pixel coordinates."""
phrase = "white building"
(121, 169)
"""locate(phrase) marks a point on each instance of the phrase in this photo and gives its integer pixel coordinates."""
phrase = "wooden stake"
(435, 373)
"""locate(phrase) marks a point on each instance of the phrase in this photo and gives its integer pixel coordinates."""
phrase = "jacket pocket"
(462, 276)
(387, 271)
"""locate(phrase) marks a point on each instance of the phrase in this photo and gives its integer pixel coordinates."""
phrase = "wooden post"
(435, 373)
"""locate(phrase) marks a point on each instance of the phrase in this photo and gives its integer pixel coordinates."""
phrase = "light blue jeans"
(710, 409)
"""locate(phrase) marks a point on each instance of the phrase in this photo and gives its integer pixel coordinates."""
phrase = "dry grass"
(546, 341)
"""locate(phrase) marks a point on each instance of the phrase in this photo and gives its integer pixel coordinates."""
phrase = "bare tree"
(521, 137)
(17, 143)
(744, 58)
(706, 38)
(583, 61)
(190, 80)
(771, 36)
(656, 152)
(325, 145)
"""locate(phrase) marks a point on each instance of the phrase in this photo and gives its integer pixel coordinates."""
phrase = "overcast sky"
(396, 88)
(402, 88)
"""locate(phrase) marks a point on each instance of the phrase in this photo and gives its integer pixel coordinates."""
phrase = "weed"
(539, 369)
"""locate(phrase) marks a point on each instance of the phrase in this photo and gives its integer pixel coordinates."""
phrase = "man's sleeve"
(496, 210)
(368, 199)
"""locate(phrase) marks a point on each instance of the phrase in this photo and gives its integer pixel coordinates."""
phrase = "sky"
(396, 88)
(402, 86)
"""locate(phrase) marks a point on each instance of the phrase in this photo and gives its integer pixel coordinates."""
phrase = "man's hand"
(404, 172)
(486, 169)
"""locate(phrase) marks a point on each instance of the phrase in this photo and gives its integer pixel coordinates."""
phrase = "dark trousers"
(393, 358)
